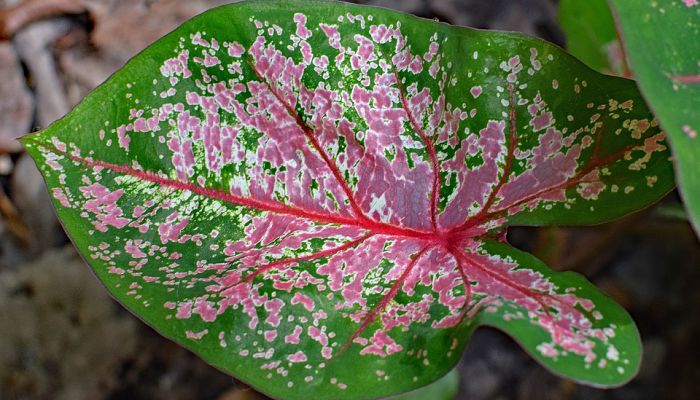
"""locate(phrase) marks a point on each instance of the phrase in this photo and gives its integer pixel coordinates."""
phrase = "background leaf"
(298, 191)
(662, 39)
(591, 35)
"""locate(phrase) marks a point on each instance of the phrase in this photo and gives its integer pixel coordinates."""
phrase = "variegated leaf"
(309, 194)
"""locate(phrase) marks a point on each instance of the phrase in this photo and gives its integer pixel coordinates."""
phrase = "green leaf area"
(312, 196)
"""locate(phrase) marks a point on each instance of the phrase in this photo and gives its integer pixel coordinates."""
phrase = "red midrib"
(261, 205)
(363, 223)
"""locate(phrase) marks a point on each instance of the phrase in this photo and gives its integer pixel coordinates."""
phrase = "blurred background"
(63, 337)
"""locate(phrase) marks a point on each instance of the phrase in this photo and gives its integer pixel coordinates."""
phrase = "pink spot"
(302, 31)
(103, 204)
(297, 357)
(133, 250)
(690, 132)
(293, 338)
(432, 51)
(547, 350)
(306, 301)
(327, 352)
(306, 52)
(124, 140)
(184, 310)
(199, 41)
(381, 345)
(270, 335)
(318, 335)
(273, 308)
(205, 309)
(58, 144)
(196, 335)
(235, 50)
(476, 91)
(60, 195)
(333, 35)
(170, 230)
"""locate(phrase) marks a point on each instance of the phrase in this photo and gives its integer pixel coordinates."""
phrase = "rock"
(124, 28)
(16, 103)
(34, 205)
(490, 364)
(63, 337)
(34, 44)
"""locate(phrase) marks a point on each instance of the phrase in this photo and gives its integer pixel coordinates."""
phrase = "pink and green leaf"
(662, 40)
(309, 195)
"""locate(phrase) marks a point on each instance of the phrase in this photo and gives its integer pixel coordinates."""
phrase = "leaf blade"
(612, 361)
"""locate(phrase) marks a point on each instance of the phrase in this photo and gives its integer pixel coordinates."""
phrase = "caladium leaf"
(662, 39)
(309, 195)
(591, 35)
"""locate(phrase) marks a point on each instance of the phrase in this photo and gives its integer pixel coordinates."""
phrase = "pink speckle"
(293, 338)
(211, 61)
(196, 335)
(205, 309)
(273, 308)
(691, 3)
(235, 50)
(333, 35)
(476, 91)
(547, 350)
(183, 157)
(690, 132)
(591, 190)
(306, 301)
(60, 146)
(327, 352)
(381, 345)
(103, 203)
(184, 310)
(432, 51)
(170, 230)
(302, 31)
(198, 40)
(270, 335)
(133, 250)
(318, 335)
(306, 52)
(124, 139)
(297, 357)
(60, 195)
